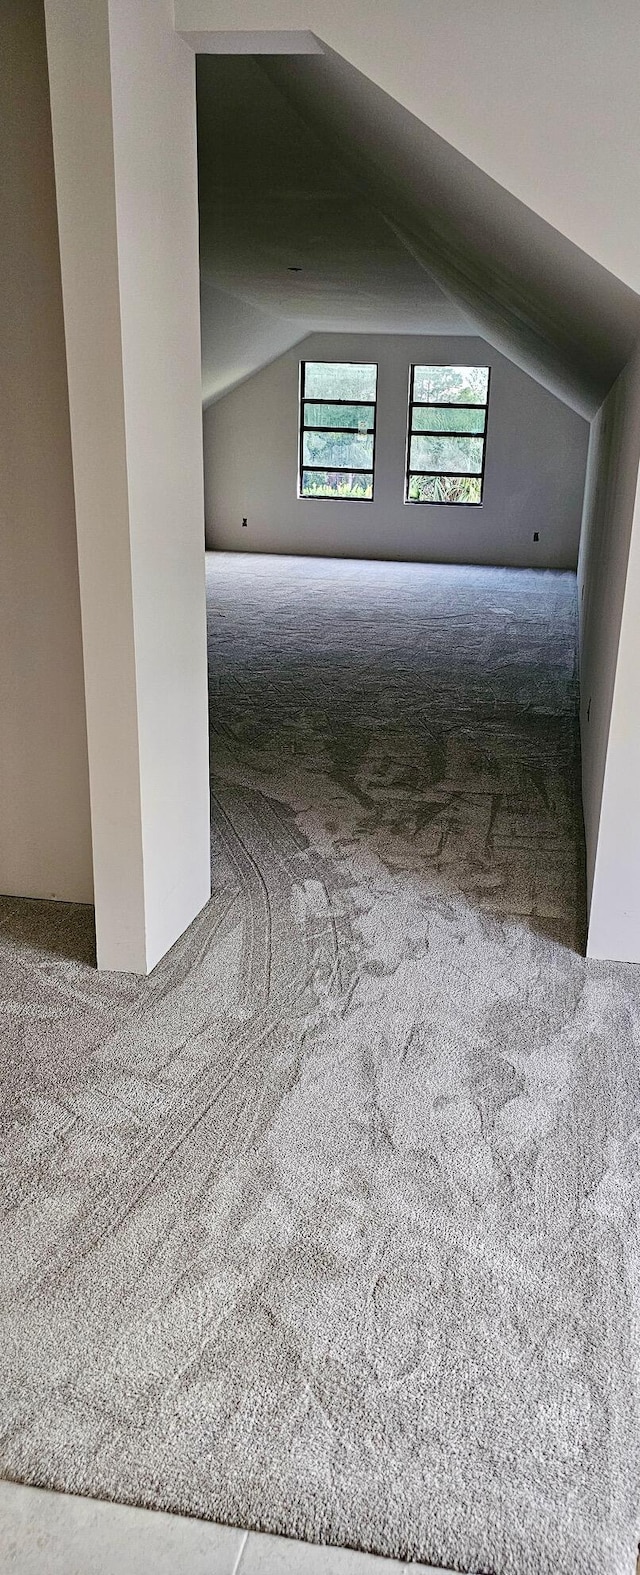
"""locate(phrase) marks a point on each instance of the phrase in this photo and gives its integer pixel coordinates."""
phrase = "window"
(447, 434)
(337, 429)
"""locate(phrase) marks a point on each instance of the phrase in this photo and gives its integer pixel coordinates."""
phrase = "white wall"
(45, 840)
(238, 337)
(609, 599)
(123, 114)
(534, 476)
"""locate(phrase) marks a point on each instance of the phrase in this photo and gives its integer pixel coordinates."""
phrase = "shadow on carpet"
(330, 1226)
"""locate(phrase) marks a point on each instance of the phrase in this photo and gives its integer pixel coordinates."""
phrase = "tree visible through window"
(447, 434)
(337, 429)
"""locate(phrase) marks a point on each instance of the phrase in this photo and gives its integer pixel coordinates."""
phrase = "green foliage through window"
(336, 484)
(338, 450)
(444, 489)
(340, 380)
(337, 429)
(447, 434)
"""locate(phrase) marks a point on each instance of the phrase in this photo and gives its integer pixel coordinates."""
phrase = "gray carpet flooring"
(330, 1227)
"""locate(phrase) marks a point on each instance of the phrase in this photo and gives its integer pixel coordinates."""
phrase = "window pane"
(465, 385)
(337, 450)
(429, 418)
(357, 416)
(335, 484)
(444, 489)
(446, 453)
(340, 380)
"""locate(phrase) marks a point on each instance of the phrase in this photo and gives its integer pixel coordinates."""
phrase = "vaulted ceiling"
(274, 199)
(326, 205)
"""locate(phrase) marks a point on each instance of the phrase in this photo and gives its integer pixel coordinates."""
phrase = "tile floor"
(44, 1533)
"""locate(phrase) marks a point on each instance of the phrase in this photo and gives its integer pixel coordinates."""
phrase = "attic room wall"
(124, 137)
(609, 601)
(238, 337)
(45, 840)
(534, 479)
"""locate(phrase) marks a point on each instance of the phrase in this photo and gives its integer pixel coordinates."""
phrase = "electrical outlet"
(244, 522)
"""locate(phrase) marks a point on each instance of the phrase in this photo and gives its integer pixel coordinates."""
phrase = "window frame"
(444, 404)
(348, 470)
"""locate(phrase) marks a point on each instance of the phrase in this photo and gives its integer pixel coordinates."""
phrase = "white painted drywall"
(237, 338)
(534, 478)
(609, 599)
(123, 114)
(45, 840)
(542, 97)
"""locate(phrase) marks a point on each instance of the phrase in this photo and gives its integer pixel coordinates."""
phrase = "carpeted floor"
(330, 1227)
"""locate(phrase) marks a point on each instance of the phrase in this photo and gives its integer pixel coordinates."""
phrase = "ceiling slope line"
(554, 310)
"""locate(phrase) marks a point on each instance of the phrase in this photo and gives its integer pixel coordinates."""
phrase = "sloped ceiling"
(238, 337)
(273, 197)
(543, 97)
(531, 292)
(305, 164)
